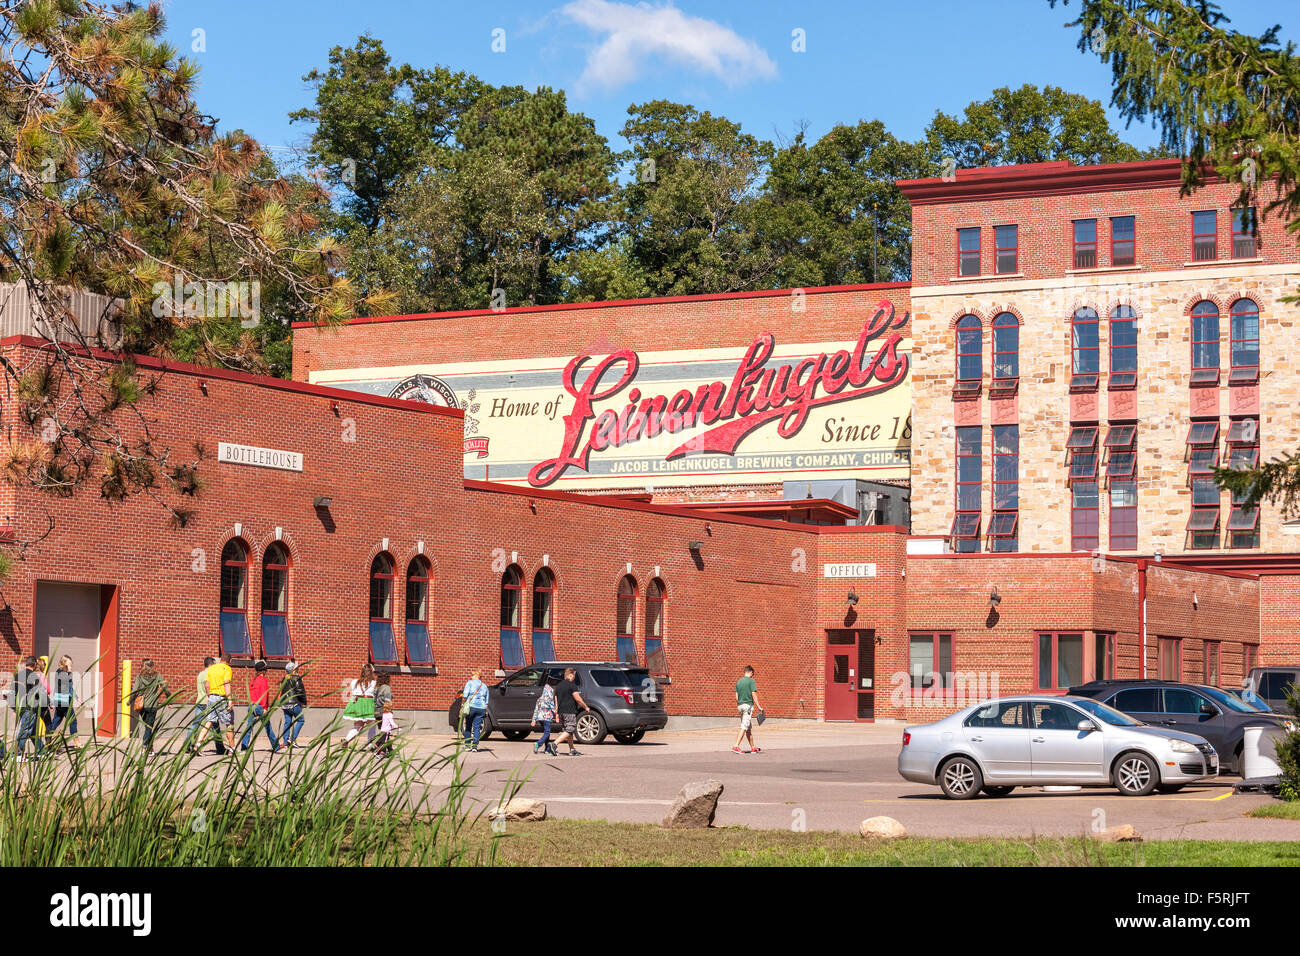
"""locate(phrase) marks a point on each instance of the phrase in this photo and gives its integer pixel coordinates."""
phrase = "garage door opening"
(80, 620)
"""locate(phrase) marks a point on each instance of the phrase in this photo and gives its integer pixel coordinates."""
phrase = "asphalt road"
(831, 777)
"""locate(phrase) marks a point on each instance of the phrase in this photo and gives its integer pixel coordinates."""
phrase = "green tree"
(1229, 104)
(1029, 125)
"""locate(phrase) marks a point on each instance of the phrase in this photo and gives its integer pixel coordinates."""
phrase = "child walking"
(544, 713)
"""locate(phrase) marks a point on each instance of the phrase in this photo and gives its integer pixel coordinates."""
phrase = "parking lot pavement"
(833, 776)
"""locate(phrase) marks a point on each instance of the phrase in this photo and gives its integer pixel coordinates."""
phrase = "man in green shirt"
(747, 703)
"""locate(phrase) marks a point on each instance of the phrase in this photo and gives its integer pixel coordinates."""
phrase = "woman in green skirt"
(361, 703)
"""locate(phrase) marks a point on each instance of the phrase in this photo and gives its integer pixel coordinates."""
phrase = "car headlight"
(1181, 746)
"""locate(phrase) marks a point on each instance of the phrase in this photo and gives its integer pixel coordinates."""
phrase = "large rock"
(882, 828)
(695, 805)
(519, 808)
(1124, 833)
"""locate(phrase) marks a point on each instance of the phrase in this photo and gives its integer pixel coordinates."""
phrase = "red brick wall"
(1279, 625)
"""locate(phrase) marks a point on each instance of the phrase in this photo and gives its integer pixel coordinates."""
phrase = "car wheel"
(515, 734)
(1135, 774)
(1170, 787)
(591, 727)
(997, 791)
(960, 778)
(631, 737)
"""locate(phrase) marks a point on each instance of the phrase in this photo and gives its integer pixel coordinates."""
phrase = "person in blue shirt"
(475, 695)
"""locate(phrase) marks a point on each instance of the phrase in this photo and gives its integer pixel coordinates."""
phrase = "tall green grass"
(325, 803)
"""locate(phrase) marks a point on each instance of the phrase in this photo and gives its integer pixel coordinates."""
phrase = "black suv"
(1214, 714)
(624, 699)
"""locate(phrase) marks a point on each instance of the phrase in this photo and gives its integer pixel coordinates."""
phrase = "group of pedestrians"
(556, 702)
(370, 708)
(42, 706)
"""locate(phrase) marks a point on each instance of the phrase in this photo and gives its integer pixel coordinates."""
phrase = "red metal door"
(841, 675)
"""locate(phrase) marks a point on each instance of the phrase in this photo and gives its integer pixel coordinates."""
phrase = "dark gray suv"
(625, 701)
(1195, 708)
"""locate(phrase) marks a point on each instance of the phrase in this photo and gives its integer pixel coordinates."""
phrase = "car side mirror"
(1087, 726)
(1209, 710)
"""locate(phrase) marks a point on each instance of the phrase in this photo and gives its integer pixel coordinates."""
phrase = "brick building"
(377, 509)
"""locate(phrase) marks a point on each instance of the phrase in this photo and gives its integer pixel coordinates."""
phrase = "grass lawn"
(600, 843)
(1278, 811)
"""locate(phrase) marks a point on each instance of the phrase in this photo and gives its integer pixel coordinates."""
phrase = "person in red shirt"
(259, 702)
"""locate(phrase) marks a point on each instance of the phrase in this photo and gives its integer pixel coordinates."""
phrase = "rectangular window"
(1006, 252)
(275, 637)
(1060, 661)
(1123, 516)
(1120, 443)
(1243, 431)
(512, 648)
(655, 660)
(1244, 239)
(1203, 433)
(1083, 457)
(235, 640)
(1002, 530)
(1122, 241)
(966, 532)
(1204, 460)
(1170, 658)
(968, 252)
(1083, 516)
(383, 643)
(1006, 467)
(1243, 525)
(419, 650)
(970, 478)
(1203, 525)
(1205, 236)
(625, 645)
(543, 646)
(1104, 657)
(1213, 663)
(929, 660)
(1085, 243)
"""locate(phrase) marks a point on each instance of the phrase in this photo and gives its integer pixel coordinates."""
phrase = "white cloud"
(641, 32)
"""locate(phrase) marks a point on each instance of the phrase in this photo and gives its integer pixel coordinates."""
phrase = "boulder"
(695, 805)
(519, 808)
(1124, 833)
(882, 828)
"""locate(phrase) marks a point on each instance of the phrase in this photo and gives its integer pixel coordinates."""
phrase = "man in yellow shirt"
(220, 712)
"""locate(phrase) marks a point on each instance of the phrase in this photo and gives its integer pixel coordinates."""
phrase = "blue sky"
(897, 62)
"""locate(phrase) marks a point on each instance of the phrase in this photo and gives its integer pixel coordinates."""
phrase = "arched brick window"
(1245, 343)
(419, 650)
(1123, 347)
(1006, 349)
(235, 639)
(383, 642)
(1205, 343)
(275, 603)
(625, 626)
(543, 616)
(1085, 349)
(970, 352)
(655, 658)
(512, 645)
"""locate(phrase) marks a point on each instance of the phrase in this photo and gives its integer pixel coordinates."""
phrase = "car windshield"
(1231, 702)
(1106, 714)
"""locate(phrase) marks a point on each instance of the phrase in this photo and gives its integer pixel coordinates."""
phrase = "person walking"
(64, 699)
(475, 696)
(29, 694)
(747, 703)
(197, 734)
(148, 694)
(293, 702)
(544, 713)
(383, 698)
(259, 700)
(221, 713)
(568, 701)
(361, 702)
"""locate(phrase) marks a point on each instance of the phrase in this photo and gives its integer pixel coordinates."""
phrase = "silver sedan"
(1010, 742)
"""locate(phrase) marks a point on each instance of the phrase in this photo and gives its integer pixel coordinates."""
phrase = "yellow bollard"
(124, 714)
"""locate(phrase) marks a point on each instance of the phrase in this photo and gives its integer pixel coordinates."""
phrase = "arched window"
(383, 642)
(655, 658)
(970, 353)
(1205, 343)
(235, 640)
(624, 628)
(1123, 347)
(1085, 349)
(1245, 343)
(1006, 350)
(275, 603)
(419, 651)
(512, 646)
(543, 616)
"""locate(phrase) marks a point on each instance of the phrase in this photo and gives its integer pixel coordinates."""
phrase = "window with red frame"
(1205, 236)
(419, 650)
(383, 642)
(275, 603)
(1243, 444)
(1006, 252)
(656, 661)
(1123, 348)
(1244, 348)
(1213, 663)
(1006, 350)
(1059, 660)
(1169, 658)
(1123, 515)
(1245, 243)
(1084, 519)
(968, 252)
(1085, 243)
(1205, 343)
(235, 639)
(1121, 448)
(512, 594)
(1104, 657)
(1081, 447)
(624, 629)
(970, 354)
(970, 479)
(1203, 525)
(543, 616)
(1085, 350)
(1122, 241)
(929, 659)
(1006, 488)
(1243, 523)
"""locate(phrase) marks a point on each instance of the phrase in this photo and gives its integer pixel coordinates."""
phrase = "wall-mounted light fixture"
(708, 528)
(1196, 601)
(853, 598)
(1158, 554)
(994, 599)
(322, 501)
(532, 506)
(334, 407)
(695, 545)
(203, 386)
